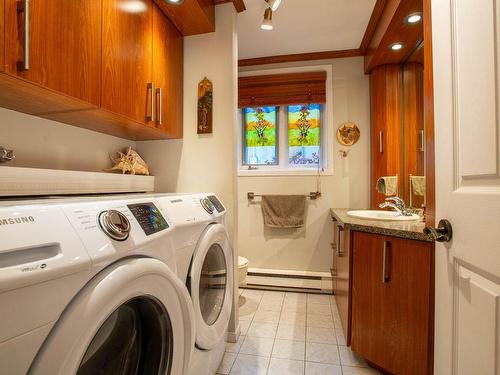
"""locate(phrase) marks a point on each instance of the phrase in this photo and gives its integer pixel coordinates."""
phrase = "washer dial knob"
(207, 205)
(114, 224)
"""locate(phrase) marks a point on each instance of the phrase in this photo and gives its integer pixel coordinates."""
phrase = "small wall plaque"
(348, 133)
(205, 103)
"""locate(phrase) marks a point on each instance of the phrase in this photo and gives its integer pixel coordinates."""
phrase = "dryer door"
(211, 286)
(135, 317)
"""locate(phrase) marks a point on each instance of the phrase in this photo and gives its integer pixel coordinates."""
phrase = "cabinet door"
(168, 74)
(2, 34)
(58, 47)
(127, 42)
(391, 302)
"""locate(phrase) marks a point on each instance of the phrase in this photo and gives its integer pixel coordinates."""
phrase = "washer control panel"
(149, 217)
(217, 203)
(207, 205)
(114, 224)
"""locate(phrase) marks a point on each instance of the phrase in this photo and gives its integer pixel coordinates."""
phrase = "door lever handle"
(443, 233)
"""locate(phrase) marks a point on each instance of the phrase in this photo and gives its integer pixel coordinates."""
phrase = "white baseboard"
(320, 282)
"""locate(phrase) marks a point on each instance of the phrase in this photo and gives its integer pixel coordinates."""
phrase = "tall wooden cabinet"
(392, 299)
(58, 47)
(387, 138)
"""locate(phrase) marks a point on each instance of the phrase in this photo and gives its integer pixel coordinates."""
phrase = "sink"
(381, 215)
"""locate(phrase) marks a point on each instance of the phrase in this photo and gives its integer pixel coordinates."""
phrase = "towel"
(418, 185)
(283, 211)
(388, 185)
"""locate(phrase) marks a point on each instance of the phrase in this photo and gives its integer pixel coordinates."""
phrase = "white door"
(465, 36)
(210, 284)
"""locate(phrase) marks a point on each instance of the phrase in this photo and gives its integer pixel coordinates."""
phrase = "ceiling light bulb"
(414, 18)
(174, 2)
(273, 4)
(267, 22)
(396, 46)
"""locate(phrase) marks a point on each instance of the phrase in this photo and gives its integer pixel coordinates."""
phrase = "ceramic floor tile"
(323, 299)
(274, 294)
(279, 366)
(246, 315)
(321, 335)
(339, 334)
(295, 306)
(318, 308)
(348, 370)
(291, 332)
(291, 317)
(289, 349)
(250, 365)
(336, 321)
(322, 353)
(257, 346)
(227, 363)
(234, 347)
(300, 297)
(260, 329)
(244, 325)
(320, 321)
(255, 293)
(313, 368)
(271, 305)
(267, 316)
(349, 358)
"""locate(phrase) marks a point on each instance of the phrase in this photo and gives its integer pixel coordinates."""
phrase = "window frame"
(327, 132)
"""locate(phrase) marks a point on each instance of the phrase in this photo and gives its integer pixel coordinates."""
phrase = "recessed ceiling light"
(174, 2)
(414, 18)
(273, 4)
(396, 46)
(267, 22)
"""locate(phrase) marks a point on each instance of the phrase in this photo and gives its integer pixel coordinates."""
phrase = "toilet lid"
(242, 261)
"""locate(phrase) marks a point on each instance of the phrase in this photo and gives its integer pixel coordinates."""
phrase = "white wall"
(41, 143)
(308, 249)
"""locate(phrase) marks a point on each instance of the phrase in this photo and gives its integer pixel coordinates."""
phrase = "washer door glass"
(135, 339)
(213, 284)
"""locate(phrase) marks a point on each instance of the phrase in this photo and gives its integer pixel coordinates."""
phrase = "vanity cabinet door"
(58, 46)
(392, 303)
(168, 74)
(127, 59)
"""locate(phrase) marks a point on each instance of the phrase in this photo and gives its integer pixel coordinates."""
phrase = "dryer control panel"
(149, 217)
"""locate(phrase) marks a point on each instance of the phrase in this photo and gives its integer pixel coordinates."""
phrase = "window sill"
(282, 172)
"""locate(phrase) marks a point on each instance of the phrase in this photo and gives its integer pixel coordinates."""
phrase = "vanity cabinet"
(392, 302)
(341, 274)
(57, 47)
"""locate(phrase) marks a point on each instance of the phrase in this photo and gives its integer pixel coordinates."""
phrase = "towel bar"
(312, 195)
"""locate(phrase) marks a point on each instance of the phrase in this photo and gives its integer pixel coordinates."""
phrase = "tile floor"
(290, 334)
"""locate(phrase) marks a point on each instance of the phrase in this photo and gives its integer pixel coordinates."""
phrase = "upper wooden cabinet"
(168, 74)
(386, 127)
(113, 66)
(392, 302)
(59, 47)
(127, 59)
(191, 17)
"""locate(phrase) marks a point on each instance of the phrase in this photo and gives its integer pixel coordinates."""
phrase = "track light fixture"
(273, 4)
(267, 22)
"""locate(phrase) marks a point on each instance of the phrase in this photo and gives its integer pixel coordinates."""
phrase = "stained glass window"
(260, 136)
(304, 135)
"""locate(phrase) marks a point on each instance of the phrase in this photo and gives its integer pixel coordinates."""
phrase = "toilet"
(242, 270)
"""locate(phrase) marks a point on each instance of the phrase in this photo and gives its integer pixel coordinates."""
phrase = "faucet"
(397, 204)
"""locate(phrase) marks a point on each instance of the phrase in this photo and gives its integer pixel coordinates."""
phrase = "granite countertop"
(413, 230)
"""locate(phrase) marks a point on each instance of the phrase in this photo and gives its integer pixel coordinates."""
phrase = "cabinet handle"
(386, 272)
(340, 252)
(151, 89)
(159, 93)
(380, 142)
(422, 142)
(24, 6)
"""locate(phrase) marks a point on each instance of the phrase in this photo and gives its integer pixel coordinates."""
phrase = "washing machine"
(205, 264)
(90, 286)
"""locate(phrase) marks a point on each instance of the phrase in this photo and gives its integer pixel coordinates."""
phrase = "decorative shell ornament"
(348, 134)
(130, 163)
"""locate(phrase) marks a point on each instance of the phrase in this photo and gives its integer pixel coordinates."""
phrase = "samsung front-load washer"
(89, 286)
(205, 264)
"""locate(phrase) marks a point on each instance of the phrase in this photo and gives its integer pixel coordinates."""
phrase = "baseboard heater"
(289, 280)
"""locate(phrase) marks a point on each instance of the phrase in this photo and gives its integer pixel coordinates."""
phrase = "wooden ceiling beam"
(238, 4)
(378, 10)
(325, 55)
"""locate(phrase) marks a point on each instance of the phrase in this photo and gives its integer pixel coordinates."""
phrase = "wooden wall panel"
(386, 118)
(2, 36)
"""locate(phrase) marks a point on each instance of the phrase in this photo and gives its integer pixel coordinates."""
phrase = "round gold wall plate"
(348, 133)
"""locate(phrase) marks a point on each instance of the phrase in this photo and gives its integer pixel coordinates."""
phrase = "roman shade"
(281, 89)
